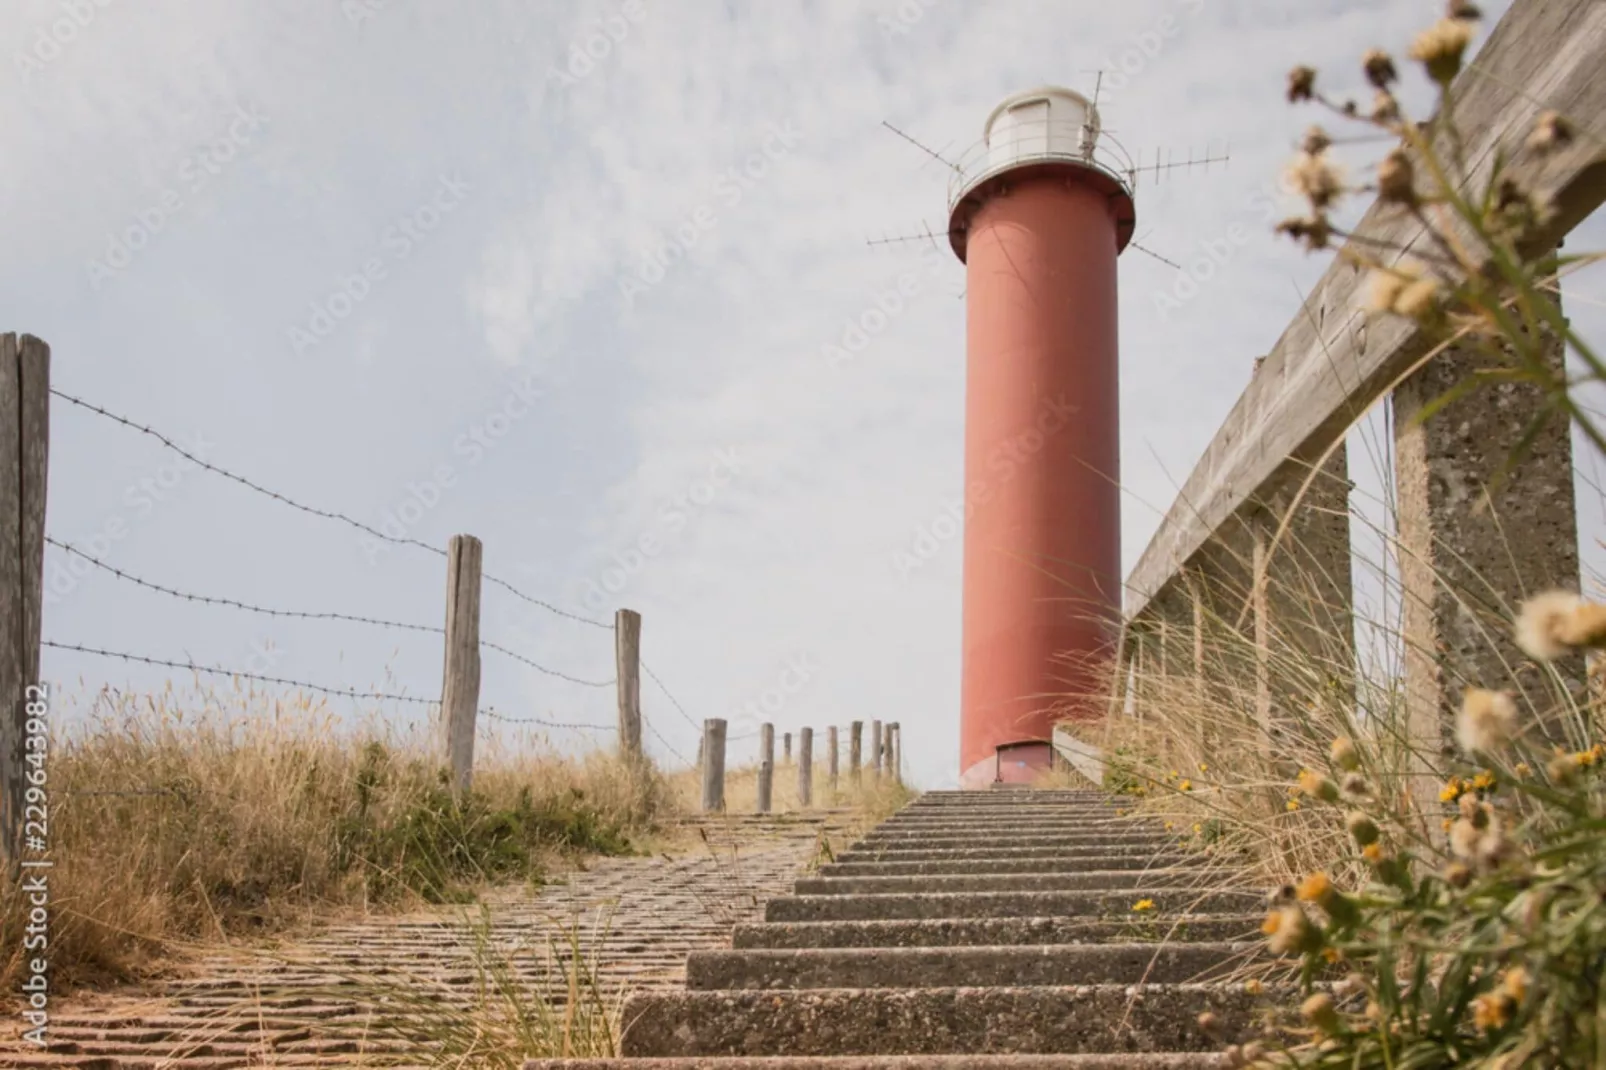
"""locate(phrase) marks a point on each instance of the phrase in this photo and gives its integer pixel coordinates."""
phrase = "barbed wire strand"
(236, 604)
(340, 692)
(654, 678)
(304, 615)
(312, 510)
(493, 715)
(667, 745)
(550, 672)
(212, 670)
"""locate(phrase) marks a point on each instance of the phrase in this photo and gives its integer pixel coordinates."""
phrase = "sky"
(567, 276)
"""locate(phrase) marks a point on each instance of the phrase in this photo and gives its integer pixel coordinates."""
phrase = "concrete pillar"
(1466, 560)
(1304, 631)
(1221, 576)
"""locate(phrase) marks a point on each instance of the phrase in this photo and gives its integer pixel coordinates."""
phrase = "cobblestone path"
(315, 1002)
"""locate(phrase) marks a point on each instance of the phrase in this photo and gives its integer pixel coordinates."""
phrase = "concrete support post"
(1304, 615)
(1469, 557)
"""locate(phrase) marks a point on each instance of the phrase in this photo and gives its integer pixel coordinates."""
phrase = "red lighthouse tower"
(1038, 221)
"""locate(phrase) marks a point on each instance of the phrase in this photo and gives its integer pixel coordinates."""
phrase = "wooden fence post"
(875, 749)
(830, 756)
(805, 767)
(855, 751)
(627, 671)
(895, 751)
(460, 682)
(24, 456)
(786, 743)
(766, 768)
(713, 765)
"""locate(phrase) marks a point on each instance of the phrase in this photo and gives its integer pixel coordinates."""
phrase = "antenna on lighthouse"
(1164, 164)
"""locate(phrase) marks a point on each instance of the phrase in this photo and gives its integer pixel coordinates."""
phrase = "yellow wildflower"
(1291, 806)
(1491, 1011)
(1143, 904)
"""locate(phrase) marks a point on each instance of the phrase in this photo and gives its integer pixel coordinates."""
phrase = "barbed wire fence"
(457, 709)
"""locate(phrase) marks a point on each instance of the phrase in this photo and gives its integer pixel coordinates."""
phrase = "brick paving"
(314, 1002)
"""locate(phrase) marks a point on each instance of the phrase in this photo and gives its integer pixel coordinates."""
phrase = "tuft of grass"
(214, 814)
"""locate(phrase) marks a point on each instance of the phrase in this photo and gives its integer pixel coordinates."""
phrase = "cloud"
(573, 186)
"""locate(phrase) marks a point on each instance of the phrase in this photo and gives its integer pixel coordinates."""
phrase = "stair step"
(953, 967)
(1147, 1061)
(993, 932)
(880, 853)
(932, 1021)
(880, 841)
(957, 866)
(1001, 882)
(1007, 824)
(1003, 904)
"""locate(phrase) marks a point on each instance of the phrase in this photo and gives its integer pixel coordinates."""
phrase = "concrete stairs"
(975, 929)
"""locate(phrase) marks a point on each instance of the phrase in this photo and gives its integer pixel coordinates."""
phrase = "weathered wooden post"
(875, 749)
(460, 682)
(713, 765)
(786, 753)
(627, 671)
(805, 767)
(24, 455)
(855, 751)
(895, 751)
(766, 768)
(830, 759)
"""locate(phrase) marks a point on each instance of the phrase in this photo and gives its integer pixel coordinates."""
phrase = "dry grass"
(208, 815)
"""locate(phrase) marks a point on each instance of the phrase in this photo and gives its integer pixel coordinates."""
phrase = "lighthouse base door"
(1022, 763)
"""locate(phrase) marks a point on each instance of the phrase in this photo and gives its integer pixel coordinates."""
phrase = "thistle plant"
(1484, 947)
(1474, 278)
